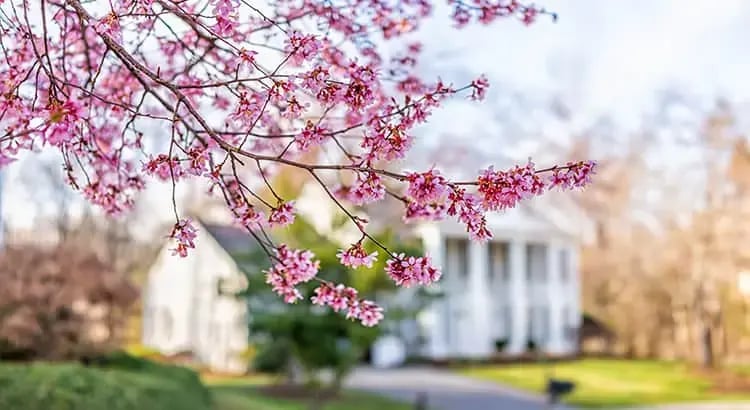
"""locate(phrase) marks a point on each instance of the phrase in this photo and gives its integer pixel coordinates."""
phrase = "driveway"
(696, 406)
(444, 390)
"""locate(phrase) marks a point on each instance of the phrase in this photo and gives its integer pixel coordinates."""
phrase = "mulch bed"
(726, 381)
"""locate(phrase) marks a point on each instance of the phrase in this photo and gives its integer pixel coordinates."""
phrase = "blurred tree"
(303, 339)
(59, 303)
(680, 289)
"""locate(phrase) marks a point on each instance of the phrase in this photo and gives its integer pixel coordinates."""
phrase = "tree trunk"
(294, 372)
(707, 348)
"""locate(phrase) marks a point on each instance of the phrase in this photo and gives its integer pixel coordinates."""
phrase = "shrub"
(501, 344)
(272, 357)
(116, 382)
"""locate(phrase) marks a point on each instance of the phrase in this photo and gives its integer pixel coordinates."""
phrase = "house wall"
(183, 310)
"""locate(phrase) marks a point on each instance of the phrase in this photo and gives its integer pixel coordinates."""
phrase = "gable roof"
(232, 239)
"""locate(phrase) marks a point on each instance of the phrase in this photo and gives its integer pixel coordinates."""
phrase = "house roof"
(232, 239)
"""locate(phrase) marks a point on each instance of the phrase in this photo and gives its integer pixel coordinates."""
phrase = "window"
(545, 323)
(447, 319)
(529, 264)
(536, 263)
(498, 261)
(508, 320)
(564, 266)
(457, 258)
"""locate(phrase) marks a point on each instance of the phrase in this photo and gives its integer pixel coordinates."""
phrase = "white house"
(521, 287)
(183, 308)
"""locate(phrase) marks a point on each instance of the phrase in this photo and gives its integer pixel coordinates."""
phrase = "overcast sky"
(605, 58)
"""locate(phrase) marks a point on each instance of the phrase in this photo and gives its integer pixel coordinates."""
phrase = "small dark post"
(421, 402)
(557, 389)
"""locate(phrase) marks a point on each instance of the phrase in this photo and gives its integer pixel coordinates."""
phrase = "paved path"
(445, 390)
(696, 406)
(449, 391)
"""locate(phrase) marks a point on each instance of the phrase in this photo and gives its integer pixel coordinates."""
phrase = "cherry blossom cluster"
(487, 11)
(184, 234)
(408, 271)
(356, 256)
(130, 91)
(292, 267)
(430, 196)
(344, 298)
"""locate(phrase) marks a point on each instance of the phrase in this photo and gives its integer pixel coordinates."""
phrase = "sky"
(603, 58)
(608, 57)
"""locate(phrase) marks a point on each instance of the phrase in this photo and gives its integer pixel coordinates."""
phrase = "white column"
(480, 308)
(518, 297)
(557, 298)
(433, 319)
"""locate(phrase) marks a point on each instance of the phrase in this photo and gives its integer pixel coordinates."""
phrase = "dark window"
(457, 257)
(564, 266)
(498, 261)
(529, 264)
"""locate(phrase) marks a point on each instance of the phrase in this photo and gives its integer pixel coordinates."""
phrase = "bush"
(501, 344)
(272, 357)
(115, 382)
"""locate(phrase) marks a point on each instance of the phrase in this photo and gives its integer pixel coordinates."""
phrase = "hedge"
(118, 382)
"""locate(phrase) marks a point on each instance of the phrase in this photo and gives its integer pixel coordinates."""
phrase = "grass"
(243, 394)
(613, 383)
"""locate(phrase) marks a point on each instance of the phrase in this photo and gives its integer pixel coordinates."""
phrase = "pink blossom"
(369, 313)
(356, 256)
(409, 271)
(164, 168)
(313, 134)
(282, 215)
(469, 211)
(344, 298)
(248, 56)
(575, 175)
(292, 268)
(184, 233)
(199, 158)
(62, 119)
(110, 25)
(479, 87)
(301, 47)
(425, 212)
(247, 216)
(504, 189)
(315, 80)
(427, 187)
(368, 188)
(225, 12)
(387, 142)
(5, 159)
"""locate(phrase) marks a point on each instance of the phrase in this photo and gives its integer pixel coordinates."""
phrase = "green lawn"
(611, 383)
(243, 394)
